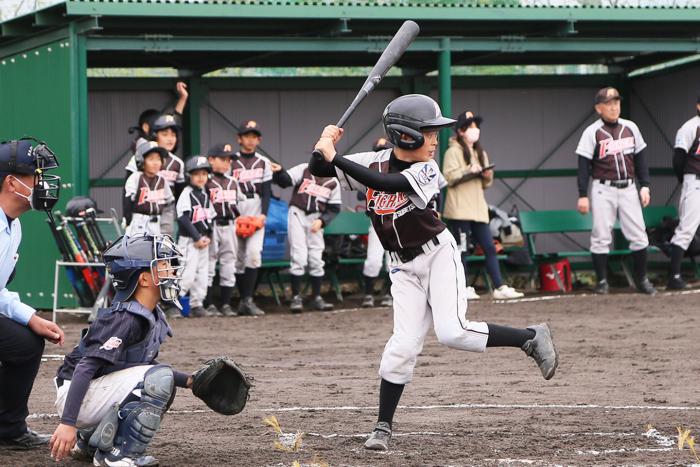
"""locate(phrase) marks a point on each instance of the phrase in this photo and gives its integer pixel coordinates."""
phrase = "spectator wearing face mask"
(466, 169)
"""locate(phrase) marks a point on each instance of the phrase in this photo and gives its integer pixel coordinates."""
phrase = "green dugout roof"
(205, 35)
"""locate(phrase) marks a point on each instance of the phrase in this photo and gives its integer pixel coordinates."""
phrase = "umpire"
(611, 152)
(23, 186)
(686, 165)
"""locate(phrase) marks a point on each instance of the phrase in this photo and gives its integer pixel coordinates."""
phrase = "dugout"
(531, 125)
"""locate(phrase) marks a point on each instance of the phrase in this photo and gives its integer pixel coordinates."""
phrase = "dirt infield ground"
(627, 361)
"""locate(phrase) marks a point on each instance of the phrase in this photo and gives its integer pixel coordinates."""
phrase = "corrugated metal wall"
(522, 127)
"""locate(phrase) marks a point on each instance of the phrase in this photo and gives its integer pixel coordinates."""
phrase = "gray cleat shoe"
(297, 305)
(602, 287)
(199, 312)
(387, 300)
(541, 349)
(645, 286)
(116, 459)
(249, 308)
(213, 310)
(367, 301)
(320, 305)
(676, 283)
(379, 438)
(227, 310)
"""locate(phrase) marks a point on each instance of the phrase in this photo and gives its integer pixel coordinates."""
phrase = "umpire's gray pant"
(222, 250)
(688, 211)
(195, 275)
(305, 246)
(607, 204)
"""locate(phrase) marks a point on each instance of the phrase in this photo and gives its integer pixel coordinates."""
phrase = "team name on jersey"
(199, 214)
(146, 195)
(312, 189)
(385, 203)
(609, 147)
(169, 175)
(219, 195)
(247, 175)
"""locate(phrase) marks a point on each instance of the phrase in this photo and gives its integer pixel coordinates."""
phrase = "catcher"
(111, 392)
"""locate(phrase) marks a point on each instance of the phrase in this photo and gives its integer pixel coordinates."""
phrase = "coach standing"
(611, 152)
(686, 165)
(23, 186)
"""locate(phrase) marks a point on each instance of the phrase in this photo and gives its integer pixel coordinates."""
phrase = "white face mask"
(30, 196)
(472, 135)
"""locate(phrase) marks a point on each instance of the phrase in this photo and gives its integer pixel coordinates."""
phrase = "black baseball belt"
(408, 254)
(223, 221)
(617, 183)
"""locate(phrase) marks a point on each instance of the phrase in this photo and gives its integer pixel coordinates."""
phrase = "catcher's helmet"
(197, 163)
(128, 256)
(144, 149)
(409, 115)
(164, 122)
(30, 156)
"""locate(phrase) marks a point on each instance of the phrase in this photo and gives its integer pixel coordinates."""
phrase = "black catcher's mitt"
(222, 385)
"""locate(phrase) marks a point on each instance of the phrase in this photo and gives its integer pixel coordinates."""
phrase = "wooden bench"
(533, 223)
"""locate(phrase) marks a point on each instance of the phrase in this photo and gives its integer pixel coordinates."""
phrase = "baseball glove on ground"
(246, 226)
(222, 385)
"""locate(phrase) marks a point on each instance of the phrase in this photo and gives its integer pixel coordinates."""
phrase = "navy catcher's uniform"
(145, 201)
(195, 214)
(250, 171)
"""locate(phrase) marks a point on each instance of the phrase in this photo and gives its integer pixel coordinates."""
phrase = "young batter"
(253, 173)
(146, 193)
(611, 152)
(223, 193)
(194, 219)
(686, 163)
(111, 393)
(315, 202)
(428, 283)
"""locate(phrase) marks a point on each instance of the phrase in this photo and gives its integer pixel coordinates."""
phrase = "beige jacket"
(465, 201)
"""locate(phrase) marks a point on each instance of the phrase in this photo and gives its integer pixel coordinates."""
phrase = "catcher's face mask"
(166, 269)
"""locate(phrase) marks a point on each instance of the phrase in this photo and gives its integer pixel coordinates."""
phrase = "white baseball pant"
(195, 274)
(430, 289)
(607, 204)
(102, 394)
(249, 254)
(167, 220)
(141, 223)
(375, 255)
(223, 250)
(688, 211)
(305, 247)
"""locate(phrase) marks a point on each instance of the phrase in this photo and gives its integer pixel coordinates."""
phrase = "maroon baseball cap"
(249, 126)
(606, 95)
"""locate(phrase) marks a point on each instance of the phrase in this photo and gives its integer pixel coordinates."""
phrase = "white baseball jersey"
(173, 170)
(688, 139)
(251, 172)
(312, 193)
(611, 148)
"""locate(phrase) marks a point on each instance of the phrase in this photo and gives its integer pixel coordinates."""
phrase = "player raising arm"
(427, 277)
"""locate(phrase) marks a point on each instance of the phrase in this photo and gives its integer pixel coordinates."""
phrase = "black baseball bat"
(393, 51)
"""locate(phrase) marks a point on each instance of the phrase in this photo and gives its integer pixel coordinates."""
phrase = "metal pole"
(445, 90)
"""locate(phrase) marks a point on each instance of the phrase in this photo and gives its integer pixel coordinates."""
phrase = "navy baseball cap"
(221, 150)
(25, 156)
(606, 95)
(249, 126)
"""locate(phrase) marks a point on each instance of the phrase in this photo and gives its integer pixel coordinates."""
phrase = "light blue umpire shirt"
(10, 304)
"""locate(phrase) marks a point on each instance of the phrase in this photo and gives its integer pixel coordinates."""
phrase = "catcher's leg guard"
(140, 419)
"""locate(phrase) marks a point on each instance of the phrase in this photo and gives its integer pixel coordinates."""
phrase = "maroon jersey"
(223, 192)
(251, 172)
(149, 195)
(401, 220)
(311, 193)
(688, 139)
(611, 148)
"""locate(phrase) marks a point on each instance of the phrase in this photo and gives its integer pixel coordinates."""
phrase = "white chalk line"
(439, 407)
(582, 295)
(487, 406)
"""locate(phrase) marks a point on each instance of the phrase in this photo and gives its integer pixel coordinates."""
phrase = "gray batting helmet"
(409, 115)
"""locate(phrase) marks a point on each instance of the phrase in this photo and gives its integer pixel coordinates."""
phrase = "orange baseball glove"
(246, 226)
